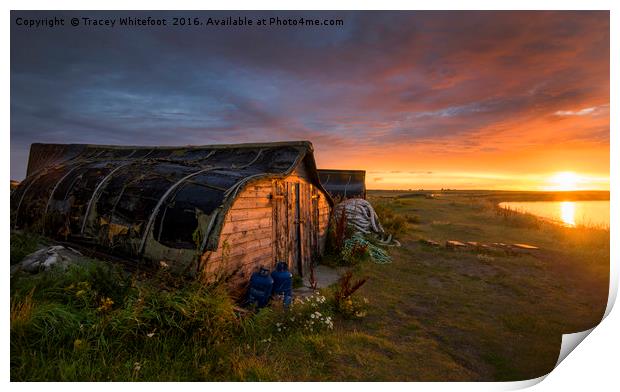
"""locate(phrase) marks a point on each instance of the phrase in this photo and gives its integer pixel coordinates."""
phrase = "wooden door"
(294, 225)
(298, 229)
(314, 213)
(286, 222)
(308, 226)
(280, 223)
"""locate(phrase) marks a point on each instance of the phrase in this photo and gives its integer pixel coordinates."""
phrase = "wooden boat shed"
(215, 210)
(344, 184)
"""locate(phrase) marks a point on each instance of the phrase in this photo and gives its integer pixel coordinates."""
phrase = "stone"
(47, 258)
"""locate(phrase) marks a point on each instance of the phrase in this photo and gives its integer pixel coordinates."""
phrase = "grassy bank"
(433, 313)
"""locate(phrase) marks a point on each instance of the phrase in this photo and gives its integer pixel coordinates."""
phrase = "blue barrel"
(283, 282)
(260, 288)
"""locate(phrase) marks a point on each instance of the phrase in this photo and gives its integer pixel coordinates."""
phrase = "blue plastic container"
(283, 282)
(261, 285)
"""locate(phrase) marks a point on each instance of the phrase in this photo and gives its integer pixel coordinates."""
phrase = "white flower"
(312, 315)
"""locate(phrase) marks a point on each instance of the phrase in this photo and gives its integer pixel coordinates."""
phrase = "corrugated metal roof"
(157, 202)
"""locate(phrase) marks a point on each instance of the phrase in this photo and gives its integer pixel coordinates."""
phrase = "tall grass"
(22, 244)
(516, 218)
(94, 321)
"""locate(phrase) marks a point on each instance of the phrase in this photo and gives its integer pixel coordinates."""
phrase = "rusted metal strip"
(237, 185)
(21, 199)
(161, 201)
(147, 154)
(258, 154)
(161, 224)
(151, 220)
(38, 174)
(49, 200)
(347, 186)
(208, 231)
(96, 192)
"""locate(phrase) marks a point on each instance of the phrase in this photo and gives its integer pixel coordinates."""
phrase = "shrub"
(344, 302)
(338, 233)
(413, 219)
(392, 222)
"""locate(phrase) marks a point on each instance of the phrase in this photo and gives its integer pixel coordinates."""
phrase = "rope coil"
(362, 218)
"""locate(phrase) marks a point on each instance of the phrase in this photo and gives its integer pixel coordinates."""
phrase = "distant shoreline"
(497, 196)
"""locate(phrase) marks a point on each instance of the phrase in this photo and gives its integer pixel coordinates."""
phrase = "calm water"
(568, 213)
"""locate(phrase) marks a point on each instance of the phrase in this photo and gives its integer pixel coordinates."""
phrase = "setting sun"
(565, 181)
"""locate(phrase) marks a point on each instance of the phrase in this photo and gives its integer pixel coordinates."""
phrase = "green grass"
(434, 314)
(96, 322)
(22, 244)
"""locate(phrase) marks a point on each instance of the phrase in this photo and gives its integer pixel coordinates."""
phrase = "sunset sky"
(493, 100)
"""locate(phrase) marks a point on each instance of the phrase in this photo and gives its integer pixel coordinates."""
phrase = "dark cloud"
(383, 79)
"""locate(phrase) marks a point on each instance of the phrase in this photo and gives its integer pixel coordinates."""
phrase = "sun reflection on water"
(567, 212)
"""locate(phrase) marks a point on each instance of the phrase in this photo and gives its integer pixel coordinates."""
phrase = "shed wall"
(252, 229)
(246, 239)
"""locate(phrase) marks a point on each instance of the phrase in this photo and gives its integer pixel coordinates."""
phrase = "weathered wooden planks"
(247, 235)
(253, 202)
(273, 220)
(234, 227)
(280, 222)
(245, 214)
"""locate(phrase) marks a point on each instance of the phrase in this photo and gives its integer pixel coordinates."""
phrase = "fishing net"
(357, 243)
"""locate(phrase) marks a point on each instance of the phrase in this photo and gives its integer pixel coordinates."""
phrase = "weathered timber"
(453, 244)
(223, 209)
